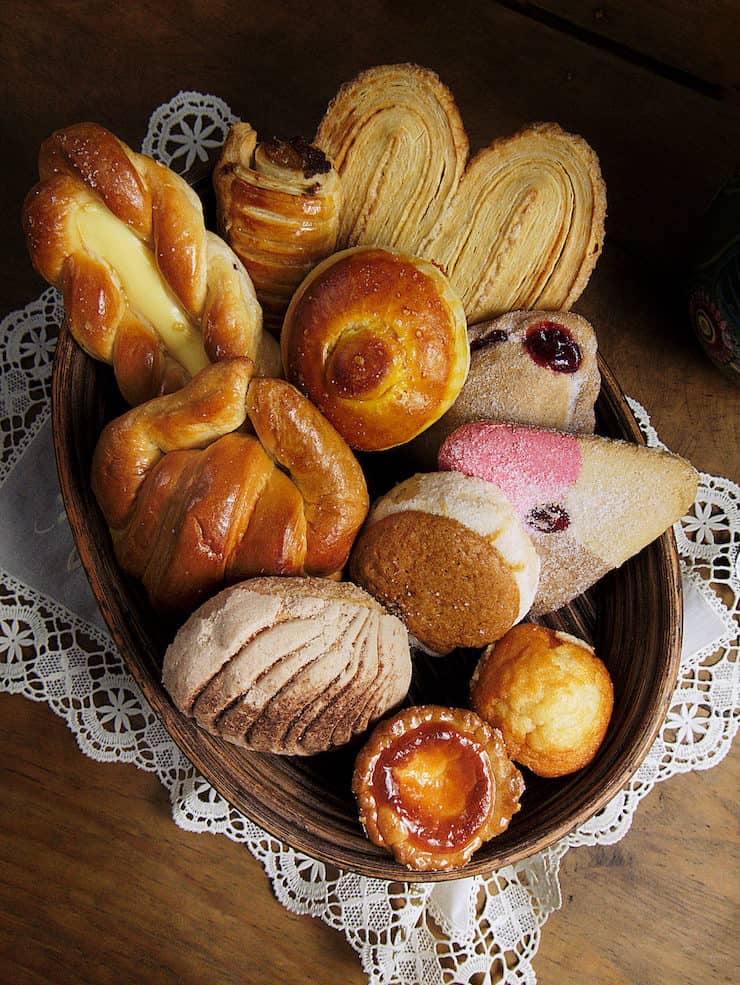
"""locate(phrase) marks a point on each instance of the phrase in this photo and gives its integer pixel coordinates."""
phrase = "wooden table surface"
(98, 883)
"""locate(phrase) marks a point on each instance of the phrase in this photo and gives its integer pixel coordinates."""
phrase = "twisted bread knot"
(146, 287)
(192, 502)
(279, 204)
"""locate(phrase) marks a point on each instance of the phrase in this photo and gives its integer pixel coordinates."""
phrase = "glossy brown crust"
(377, 340)
(279, 205)
(192, 503)
(448, 583)
(550, 696)
(86, 164)
(433, 784)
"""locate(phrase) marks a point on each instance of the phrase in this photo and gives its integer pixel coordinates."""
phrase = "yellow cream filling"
(110, 240)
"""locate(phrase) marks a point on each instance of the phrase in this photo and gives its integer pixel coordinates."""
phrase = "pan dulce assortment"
(373, 289)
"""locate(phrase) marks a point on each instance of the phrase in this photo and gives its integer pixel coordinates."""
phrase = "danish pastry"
(433, 784)
(279, 206)
(193, 502)
(397, 140)
(526, 367)
(548, 694)
(588, 503)
(448, 554)
(146, 287)
(377, 340)
(293, 666)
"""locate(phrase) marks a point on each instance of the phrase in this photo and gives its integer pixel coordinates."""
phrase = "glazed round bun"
(447, 554)
(550, 696)
(527, 367)
(376, 339)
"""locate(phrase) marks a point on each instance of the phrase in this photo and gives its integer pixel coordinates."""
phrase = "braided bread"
(146, 287)
(278, 204)
(193, 503)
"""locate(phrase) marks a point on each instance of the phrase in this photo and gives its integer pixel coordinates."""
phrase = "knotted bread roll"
(377, 340)
(279, 205)
(193, 503)
(396, 138)
(145, 286)
(293, 666)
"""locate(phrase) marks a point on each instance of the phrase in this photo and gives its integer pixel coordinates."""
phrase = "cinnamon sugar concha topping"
(433, 784)
(293, 666)
(448, 554)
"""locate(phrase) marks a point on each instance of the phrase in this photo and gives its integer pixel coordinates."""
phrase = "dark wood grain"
(98, 884)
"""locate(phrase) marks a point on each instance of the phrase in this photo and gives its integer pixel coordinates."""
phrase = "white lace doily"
(54, 648)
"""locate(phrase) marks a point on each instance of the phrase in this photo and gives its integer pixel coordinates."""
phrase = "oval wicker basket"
(633, 617)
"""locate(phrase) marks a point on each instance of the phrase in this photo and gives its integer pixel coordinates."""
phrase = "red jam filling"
(551, 345)
(548, 518)
(436, 779)
(491, 338)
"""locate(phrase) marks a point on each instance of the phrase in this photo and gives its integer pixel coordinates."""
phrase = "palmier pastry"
(194, 503)
(549, 695)
(279, 205)
(526, 225)
(450, 556)
(145, 286)
(588, 503)
(293, 666)
(377, 340)
(433, 784)
(397, 140)
(526, 367)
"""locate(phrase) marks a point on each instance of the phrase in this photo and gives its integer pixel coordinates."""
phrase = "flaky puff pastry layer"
(146, 287)
(433, 784)
(397, 140)
(550, 696)
(279, 207)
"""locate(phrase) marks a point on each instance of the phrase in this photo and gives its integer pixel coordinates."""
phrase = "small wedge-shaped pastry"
(396, 138)
(146, 287)
(450, 556)
(588, 503)
(194, 503)
(433, 784)
(526, 367)
(377, 340)
(293, 666)
(526, 225)
(279, 206)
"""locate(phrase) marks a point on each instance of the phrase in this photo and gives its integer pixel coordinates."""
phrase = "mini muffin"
(433, 784)
(550, 696)
(448, 554)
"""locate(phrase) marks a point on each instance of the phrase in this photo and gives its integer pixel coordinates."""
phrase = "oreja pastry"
(293, 666)
(519, 226)
(548, 694)
(588, 503)
(377, 340)
(433, 784)
(146, 287)
(278, 206)
(449, 555)
(526, 367)
(526, 225)
(193, 502)
(397, 140)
